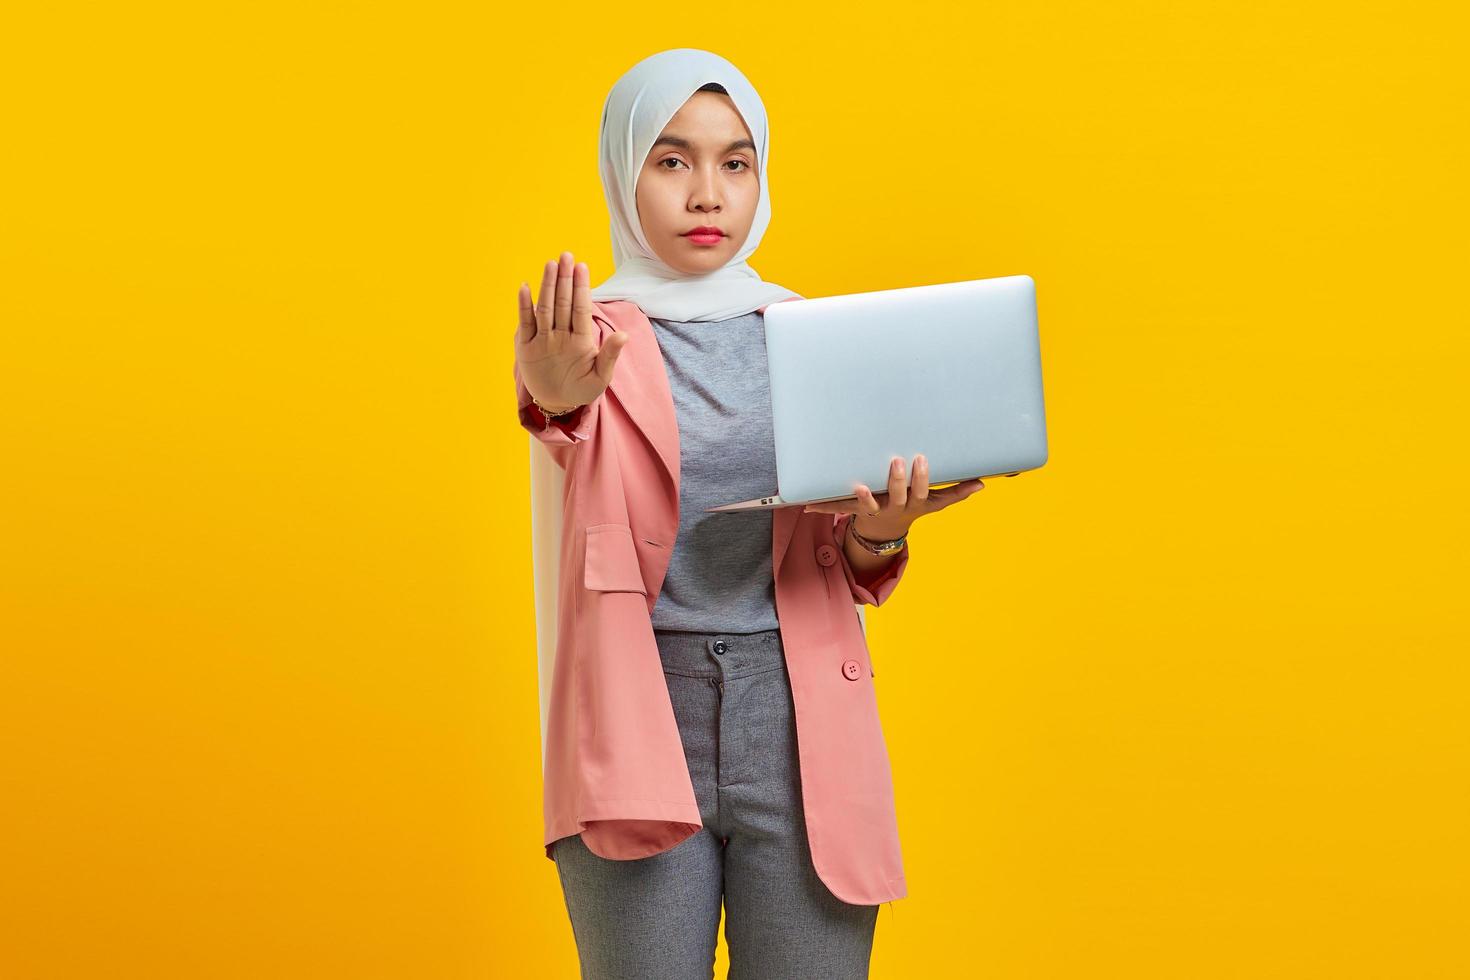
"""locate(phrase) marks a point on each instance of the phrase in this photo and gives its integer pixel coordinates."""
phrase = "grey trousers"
(657, 918)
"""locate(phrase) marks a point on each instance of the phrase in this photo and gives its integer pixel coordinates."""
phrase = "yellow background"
(1189, 702)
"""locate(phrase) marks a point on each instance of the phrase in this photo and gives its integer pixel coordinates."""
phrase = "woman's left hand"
(902, 504)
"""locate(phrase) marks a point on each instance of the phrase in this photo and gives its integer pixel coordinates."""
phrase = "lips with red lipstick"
(705, 235)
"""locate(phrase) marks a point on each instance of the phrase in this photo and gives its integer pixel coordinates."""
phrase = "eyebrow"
(683, 144)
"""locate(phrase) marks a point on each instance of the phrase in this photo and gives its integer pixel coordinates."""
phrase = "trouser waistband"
(727, 655)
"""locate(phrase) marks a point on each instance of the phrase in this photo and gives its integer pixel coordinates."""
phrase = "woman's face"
(699, 173)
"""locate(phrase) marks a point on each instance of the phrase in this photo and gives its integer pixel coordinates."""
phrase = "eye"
(742, 166)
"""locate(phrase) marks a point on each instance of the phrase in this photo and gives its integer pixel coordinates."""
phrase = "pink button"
(851, 669)
(826, 554)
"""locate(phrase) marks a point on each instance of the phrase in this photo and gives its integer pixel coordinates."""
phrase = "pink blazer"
(614, 769)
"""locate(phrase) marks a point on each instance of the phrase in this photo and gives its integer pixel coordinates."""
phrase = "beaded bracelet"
(881, 549)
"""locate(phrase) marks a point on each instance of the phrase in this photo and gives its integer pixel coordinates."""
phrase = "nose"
(705, 195)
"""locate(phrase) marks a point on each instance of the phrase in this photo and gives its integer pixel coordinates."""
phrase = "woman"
(703, 748)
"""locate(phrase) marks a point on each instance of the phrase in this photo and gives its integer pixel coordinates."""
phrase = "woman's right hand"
(560, 359)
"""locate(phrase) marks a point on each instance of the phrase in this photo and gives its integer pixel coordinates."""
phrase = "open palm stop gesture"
(560, 359)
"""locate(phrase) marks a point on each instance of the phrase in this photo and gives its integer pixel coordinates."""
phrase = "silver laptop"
(951, 370)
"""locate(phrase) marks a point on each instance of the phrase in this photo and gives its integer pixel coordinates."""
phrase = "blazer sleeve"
(873, 591)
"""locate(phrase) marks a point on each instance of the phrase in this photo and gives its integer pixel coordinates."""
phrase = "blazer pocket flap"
(611, 560)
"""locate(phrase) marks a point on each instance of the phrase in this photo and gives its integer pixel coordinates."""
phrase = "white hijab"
(637, 109)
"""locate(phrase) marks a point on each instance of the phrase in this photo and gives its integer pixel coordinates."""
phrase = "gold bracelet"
(552, 415)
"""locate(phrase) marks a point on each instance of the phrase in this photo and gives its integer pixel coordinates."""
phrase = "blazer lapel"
(641, 385)
(783, 526)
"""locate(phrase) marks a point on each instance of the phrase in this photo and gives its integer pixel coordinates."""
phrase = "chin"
(707, 261)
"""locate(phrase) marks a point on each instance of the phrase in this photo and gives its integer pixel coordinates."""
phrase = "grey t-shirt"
(719, 578)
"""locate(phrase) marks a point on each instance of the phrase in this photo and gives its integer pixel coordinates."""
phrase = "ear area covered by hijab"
(638, 107)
